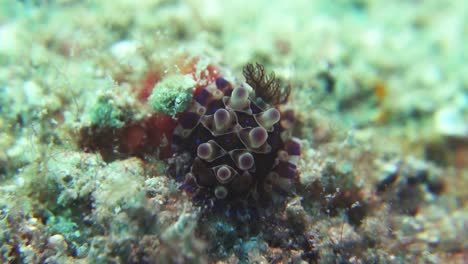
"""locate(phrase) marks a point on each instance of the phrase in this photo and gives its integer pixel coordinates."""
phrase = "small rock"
(124, 50)
(57, 242)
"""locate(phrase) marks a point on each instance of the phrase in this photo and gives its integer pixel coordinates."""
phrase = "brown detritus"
(407, 199)
(357, 213)
(387, 181)
(313, 191)
(380, 91)
(459, 147)
(283, 46)
(148, 136)
(404, 187)
(448, 151)
(279, 234)
(438, 152)
(94, 139)
(268, 87)
(351, 200)
(436, 187)
(328, 80)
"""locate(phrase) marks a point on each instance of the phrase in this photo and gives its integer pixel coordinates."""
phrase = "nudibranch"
(233, 146)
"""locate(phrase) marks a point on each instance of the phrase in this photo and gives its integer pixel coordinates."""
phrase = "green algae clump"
(106, 114)
(173, 94)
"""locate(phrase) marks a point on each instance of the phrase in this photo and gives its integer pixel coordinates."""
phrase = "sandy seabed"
(379, 90)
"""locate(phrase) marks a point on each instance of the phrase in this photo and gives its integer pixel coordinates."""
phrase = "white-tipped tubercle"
(209, 151)
(268, 118)
(257, 137)
(239, 99)
(224, 174)
(245, 161)
(220, 192)
(205, 151)
(222, 119)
